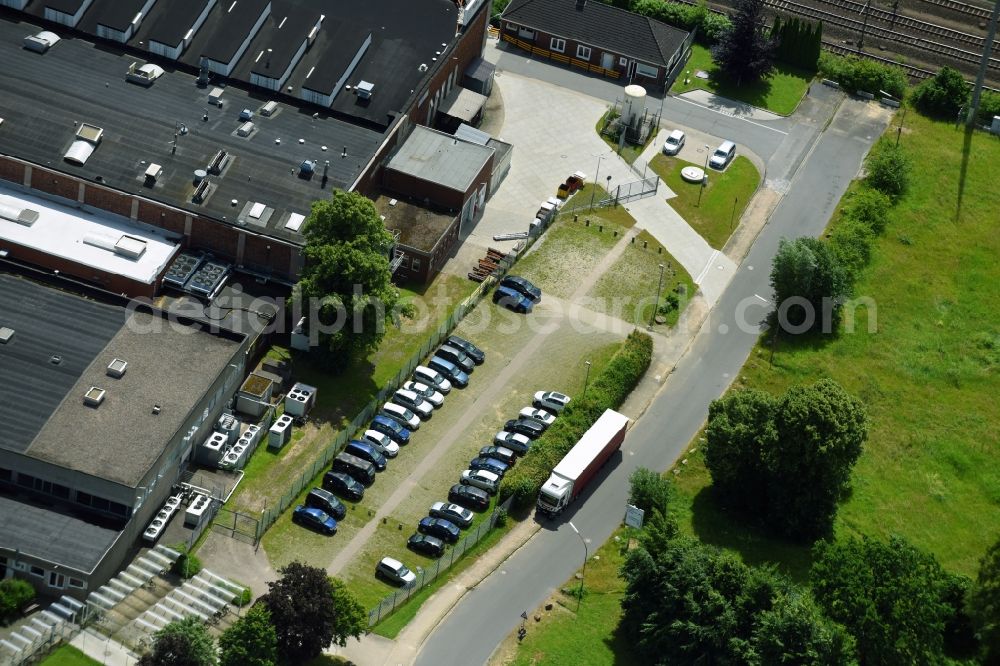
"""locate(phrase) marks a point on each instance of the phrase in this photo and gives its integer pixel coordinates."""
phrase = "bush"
(243, 598)
(187, 565)
(607, 391)
(15, 594)
(943, 95)
(851, 242)
(648, 491)
(989, 106)
(861, 74)
(709, 25)
(888, 168)
(870, 207)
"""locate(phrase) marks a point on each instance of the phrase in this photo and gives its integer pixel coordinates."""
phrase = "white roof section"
(472, 135)
(98, 241)
(295, 221)
(590, 444)
(79, 152)
(440, 158)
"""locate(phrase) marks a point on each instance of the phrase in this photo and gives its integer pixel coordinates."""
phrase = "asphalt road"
(821, 171)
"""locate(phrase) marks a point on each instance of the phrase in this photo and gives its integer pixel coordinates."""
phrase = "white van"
(723, 155)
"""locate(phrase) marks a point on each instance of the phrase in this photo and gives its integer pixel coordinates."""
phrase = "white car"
(513, 441)
(413, 402)
(426, 392)
(382, 442)
(674, 143)
(551, 401)
(540, 415)
(723, 155)
(481, 478)
(432, 378)
(401, 415)
(395, 571)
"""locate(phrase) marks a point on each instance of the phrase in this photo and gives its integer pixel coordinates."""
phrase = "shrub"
(187, 565)
(943, 95)
(861, 74)
(989, 106)
(648, 491)
(851, 242)
(608, 390)
(243, 598)
(888, 168)
(15, 594)
(870, 207)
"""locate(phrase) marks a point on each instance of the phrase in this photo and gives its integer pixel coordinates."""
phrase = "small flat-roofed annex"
(440, 158)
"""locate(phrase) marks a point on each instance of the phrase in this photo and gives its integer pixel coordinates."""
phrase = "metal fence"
(427, 576)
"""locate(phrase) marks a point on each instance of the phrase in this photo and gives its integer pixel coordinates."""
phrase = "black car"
(343, 485)
(440, 528)
(469, 497)
(490, 465)
(475, 353)
(327, 501)
(523, 287)
(428, 545)
(528, 427)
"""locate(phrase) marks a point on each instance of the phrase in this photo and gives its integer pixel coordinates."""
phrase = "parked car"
(432, 378)
(512, 440)
(528, 427)
(456, 375)
(392, 428)
(366, 451)
(414, 403)
(501, 453)
(552, 401)
(428, 393)
(523, 287)
(343, 485)
(540, 415)
(481, 478)
(358, 469)
(400, 415)
(395, 571)
(382, 442)
(453, 512)
(490, 465)
(475, 353)
(512, 300)
(476, 499)
(723, 155)
(314, 518)
(674, 143)
(439, 527)
(425, 544)
(456, 356)
(327, 502)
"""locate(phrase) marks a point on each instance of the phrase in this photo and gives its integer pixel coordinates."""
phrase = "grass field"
(67, 655)
(628, 289)
(715, 212)
(780, 91)
(928, 374)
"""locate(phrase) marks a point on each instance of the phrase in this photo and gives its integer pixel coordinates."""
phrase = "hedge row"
(855, 74)
(608, 391)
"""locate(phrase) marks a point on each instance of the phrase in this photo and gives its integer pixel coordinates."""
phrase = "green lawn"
(715, 212)
(629, 152)
(67, 655)
(586, 637)
(629, 287)
(780, 91)
(928, 374)
(584, 204)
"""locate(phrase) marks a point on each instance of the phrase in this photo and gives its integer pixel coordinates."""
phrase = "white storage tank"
(634, 105)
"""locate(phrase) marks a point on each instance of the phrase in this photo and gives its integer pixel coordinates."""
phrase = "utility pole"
(864, 25)
(977, 90)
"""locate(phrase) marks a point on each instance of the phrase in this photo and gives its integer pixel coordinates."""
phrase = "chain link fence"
(430, 574)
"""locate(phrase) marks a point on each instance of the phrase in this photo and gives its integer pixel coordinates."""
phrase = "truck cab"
(554, 495)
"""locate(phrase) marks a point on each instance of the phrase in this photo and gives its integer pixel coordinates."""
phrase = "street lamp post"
(656, 305)
(704, 175)
(586, 378)
(586, 556)
(596, 174)
(609, 190)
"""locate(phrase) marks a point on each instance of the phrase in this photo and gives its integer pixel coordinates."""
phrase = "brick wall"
(12, 171)
(117, 284)
(109, 200)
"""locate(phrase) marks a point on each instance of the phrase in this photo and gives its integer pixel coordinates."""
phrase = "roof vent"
(117, 368)
(94, 396)
(55, 359)
(365, 89)
(156, 409)
(6, 334)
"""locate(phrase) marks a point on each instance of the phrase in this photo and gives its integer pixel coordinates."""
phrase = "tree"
(984, 604)
(890, 596)
(309, 611)
(744, 52)
(795, 631)
(807, 269)
(888, 168)
(183, 642)
(250, 641)
(648, 491)
(15, 594)
(943, 95)
(352, 618)
(346, 282)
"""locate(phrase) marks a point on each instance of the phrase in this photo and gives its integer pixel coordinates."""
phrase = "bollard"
(645, 245)
(633, 240)
(659, 250)
(615, 234)
(600, 228)
(576, 217)
(586, 222)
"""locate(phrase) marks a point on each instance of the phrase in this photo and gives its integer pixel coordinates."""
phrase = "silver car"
(426, 392)
(412, 401)
(481, 478)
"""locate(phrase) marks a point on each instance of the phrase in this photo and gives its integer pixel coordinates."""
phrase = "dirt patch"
(754, 218)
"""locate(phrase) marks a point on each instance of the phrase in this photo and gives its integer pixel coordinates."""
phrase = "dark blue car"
(498, 467)
(387, 426)
(314, 518)
(440, 528)
(512, 300)
(451, 371)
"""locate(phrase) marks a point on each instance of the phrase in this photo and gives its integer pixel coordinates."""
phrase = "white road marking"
(762, 298)
(731, 115)
(708, 265)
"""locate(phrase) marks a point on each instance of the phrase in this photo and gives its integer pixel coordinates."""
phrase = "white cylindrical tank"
(634, 105)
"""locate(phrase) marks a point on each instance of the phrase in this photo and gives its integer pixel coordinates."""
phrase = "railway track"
(971, 10)
(969, 57)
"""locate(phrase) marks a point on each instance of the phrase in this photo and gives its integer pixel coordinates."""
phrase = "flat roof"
(227, 26)
(336, 45)
(168, 22)
(440, 158)
(87, 238)
(283, 34)
(463, 104)
(78, 82)
(65, 6)
(419, 227)
(52, 535)
(116, 14)
(47, 323)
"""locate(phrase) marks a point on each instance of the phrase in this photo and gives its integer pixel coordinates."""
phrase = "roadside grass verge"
(67, 655)
(721, 204)
(628, 289)
(928, 371)
(780, 91)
